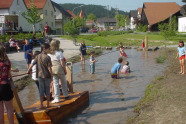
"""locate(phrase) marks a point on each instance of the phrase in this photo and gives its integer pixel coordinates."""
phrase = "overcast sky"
(125, 5)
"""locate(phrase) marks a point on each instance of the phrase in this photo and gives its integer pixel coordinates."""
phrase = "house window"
(51, 14)
(52, 24)
(17, 2)
(13, 12)
(48, 4)
(46, 12)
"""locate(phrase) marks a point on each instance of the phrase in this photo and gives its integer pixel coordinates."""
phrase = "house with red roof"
(156, 13)
(10, 11)
(71, 13)
(47, 11)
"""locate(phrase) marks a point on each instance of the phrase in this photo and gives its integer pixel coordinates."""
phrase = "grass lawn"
(130, 39)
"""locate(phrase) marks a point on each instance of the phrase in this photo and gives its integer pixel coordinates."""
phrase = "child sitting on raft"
(116, 68)
(126, 68)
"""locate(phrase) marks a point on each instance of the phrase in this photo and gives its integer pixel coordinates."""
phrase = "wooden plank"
(56, 111)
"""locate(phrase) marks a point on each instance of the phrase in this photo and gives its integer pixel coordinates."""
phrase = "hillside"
(98, 10)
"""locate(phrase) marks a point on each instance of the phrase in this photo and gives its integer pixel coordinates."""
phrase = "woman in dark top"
(6, 94)
(83, 51)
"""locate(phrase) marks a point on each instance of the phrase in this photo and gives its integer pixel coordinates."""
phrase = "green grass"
(128, 39)
(160, 59)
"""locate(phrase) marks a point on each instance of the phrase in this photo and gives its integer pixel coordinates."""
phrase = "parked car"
(84, 30)
(94, 30)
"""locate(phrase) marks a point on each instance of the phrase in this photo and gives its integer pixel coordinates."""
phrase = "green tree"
(168, 30)
(120, 20)
(91, 17)
(31, 15)
(78, 22)
(70, 29)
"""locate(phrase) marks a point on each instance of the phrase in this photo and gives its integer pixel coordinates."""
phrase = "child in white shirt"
(126, 68)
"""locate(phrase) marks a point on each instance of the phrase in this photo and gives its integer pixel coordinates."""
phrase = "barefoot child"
(83, 51)
(126, 68)
(181, 53)
(115, 69)
(92, 62)
(122, 52)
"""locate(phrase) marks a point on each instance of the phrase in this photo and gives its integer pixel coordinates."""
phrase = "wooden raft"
(57, 111)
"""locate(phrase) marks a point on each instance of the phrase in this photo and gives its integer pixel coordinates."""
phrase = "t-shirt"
(92, 59)
(5, 67)
(29, 49)
(11, 42)
(125, 69)
(34, 69)
(181, 51)
(43, 61)
(116, 68)
(57, 56)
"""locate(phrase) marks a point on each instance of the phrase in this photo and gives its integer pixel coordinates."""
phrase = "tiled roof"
(60, 8)
(156, 12)
(5, 4)
(81, 14)
(105, 19)
(38, 3)
(140, 10)
(71, 13)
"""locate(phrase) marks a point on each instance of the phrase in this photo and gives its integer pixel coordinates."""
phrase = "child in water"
(181, 53)
(115, 69)
(92, 62)
(126, 68)
(122, 52)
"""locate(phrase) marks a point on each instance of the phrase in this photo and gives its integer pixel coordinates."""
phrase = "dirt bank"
(165, 98)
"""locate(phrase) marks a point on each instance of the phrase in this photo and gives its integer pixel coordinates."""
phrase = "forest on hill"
(98, 10)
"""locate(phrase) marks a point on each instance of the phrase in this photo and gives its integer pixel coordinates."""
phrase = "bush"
(142, 28)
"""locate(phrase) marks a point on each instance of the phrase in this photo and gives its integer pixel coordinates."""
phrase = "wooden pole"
(17, 105)
(69, 76)
(146, 43)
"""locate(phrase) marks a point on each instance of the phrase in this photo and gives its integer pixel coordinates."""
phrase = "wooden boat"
(57, 112)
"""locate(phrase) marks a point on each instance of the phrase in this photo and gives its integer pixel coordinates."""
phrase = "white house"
(13, 8)
(133, 17)
(182, 24)
(61, 17)
(46, 9)
(106, 23)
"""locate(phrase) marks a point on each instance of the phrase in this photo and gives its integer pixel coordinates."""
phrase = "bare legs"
(182, 63)
(10, 111)
(82, 59)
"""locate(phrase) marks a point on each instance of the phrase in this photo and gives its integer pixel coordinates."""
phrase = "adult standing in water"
(6, 94)
(58, 70)
(83, 51)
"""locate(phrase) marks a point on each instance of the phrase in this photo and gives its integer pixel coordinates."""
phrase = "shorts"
(113, 76)
(44, 86)
(6, 93)
(28, 61)
(182, 57)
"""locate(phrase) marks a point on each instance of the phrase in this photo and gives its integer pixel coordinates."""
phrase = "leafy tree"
(120, 20)
(91, 17)
(69, 28)
(78, 22)
(168, 29)
(32, 16)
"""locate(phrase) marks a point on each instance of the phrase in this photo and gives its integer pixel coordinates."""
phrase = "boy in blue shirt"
(115, 69)
(28, 52)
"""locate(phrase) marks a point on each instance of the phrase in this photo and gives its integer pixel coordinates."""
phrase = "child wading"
(181, 53)
(92, 62)
(126, 68)
(116, 68)
(83, 51)
(28, 52)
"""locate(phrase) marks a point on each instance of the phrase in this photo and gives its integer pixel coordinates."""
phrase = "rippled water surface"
(111, 101)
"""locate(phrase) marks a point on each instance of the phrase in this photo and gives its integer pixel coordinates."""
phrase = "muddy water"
(111, 101)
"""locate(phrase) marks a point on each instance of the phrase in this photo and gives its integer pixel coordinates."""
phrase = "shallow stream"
(111, 100)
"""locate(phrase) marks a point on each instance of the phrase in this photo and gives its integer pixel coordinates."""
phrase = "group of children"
(115, 69)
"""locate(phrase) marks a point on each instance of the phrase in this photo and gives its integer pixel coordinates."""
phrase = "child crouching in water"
(126, 68)
(92, 62)
(181, 53)
(116, 68)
